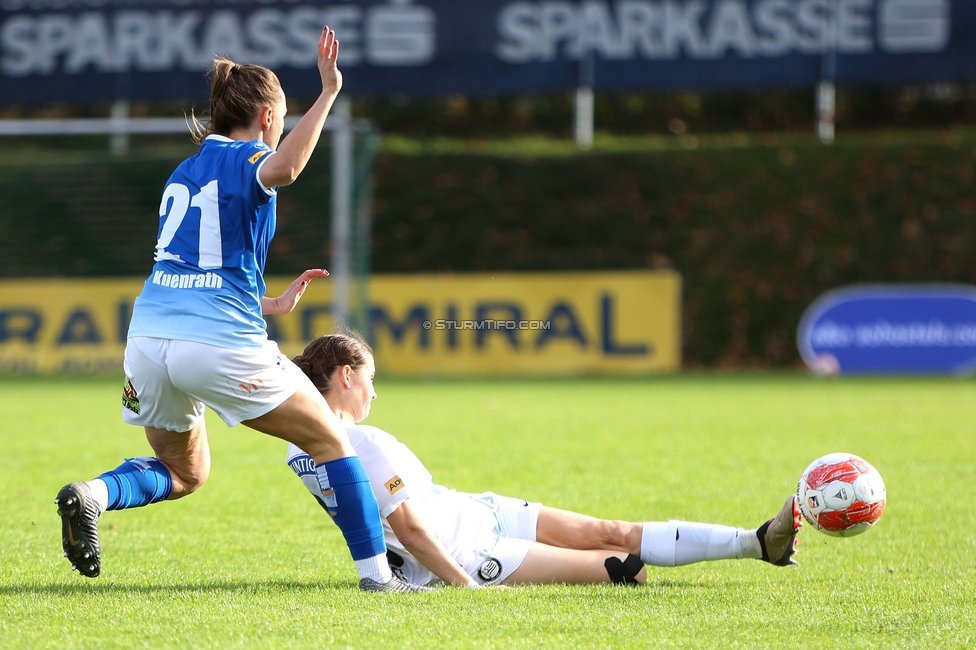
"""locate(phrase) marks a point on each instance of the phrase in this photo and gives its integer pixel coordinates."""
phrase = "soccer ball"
(841, 495)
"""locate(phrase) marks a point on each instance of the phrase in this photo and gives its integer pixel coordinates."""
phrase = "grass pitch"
(252, 562)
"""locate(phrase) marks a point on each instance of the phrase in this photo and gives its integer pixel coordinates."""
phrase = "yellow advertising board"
(443, 324)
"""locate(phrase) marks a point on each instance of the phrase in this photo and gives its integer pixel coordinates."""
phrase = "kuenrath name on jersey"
(216, 221)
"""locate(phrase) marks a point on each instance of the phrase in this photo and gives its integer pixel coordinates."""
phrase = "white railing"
(131, 126)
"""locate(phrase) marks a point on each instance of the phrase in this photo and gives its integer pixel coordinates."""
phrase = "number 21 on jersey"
(177, 200)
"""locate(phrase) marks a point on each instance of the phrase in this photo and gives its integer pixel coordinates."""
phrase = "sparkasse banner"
(435, 325)
(84, 50)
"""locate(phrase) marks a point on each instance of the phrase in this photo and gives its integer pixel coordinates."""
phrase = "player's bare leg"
(186, 455)
(567, 529)
(305, 420)
(674, 543)
(546, 564)
(181, 466)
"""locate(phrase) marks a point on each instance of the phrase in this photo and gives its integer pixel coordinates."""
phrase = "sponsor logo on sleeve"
(256, 157)
(394, 484)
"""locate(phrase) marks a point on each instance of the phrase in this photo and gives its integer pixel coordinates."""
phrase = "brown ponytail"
(326, 353)
(237, 92)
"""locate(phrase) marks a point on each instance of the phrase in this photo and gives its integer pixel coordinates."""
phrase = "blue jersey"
(216, 221)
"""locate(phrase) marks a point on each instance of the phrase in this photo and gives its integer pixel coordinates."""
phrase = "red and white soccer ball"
(841, 495)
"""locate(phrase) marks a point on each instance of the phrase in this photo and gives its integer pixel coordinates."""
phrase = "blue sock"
(137, 482)
(349, 499)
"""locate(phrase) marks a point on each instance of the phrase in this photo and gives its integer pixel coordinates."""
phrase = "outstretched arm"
(295, 150)
(417, 538)
(287, 301)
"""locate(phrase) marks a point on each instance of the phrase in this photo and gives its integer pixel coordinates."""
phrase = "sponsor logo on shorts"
(247, 388)
(256, 157)
(130, 399)
(394, 484)
(490, 570)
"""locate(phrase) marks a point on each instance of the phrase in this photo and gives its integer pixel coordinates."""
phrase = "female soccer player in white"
(437, 535)
(197, 335)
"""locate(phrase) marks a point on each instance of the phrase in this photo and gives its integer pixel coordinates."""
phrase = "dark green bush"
(757, 232)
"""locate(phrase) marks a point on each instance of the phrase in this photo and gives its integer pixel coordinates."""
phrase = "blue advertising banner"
(924, 329)
(84, 50)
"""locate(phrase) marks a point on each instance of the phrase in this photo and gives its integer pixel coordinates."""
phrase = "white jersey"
(464, 523)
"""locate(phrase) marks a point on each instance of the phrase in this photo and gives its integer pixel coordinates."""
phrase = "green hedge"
(758, 230)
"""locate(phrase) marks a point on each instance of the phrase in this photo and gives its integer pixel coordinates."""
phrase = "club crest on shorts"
(490, 570)
(130, 399)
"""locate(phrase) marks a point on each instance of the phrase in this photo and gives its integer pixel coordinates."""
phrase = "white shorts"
(168, 383)
(500, 551)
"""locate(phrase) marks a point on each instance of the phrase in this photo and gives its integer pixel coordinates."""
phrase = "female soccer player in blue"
(197, 335)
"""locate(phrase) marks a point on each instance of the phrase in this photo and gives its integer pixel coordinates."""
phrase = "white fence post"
(340, 266)
(583, 130)
(826, 111)
(826, 89)
(584, 113)
(118, 114)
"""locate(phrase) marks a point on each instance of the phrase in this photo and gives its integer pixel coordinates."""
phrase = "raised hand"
(287, 301)
(328, 55)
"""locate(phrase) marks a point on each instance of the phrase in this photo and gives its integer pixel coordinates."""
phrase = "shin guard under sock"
(676, 543)
(349, 499)
(137, 482)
